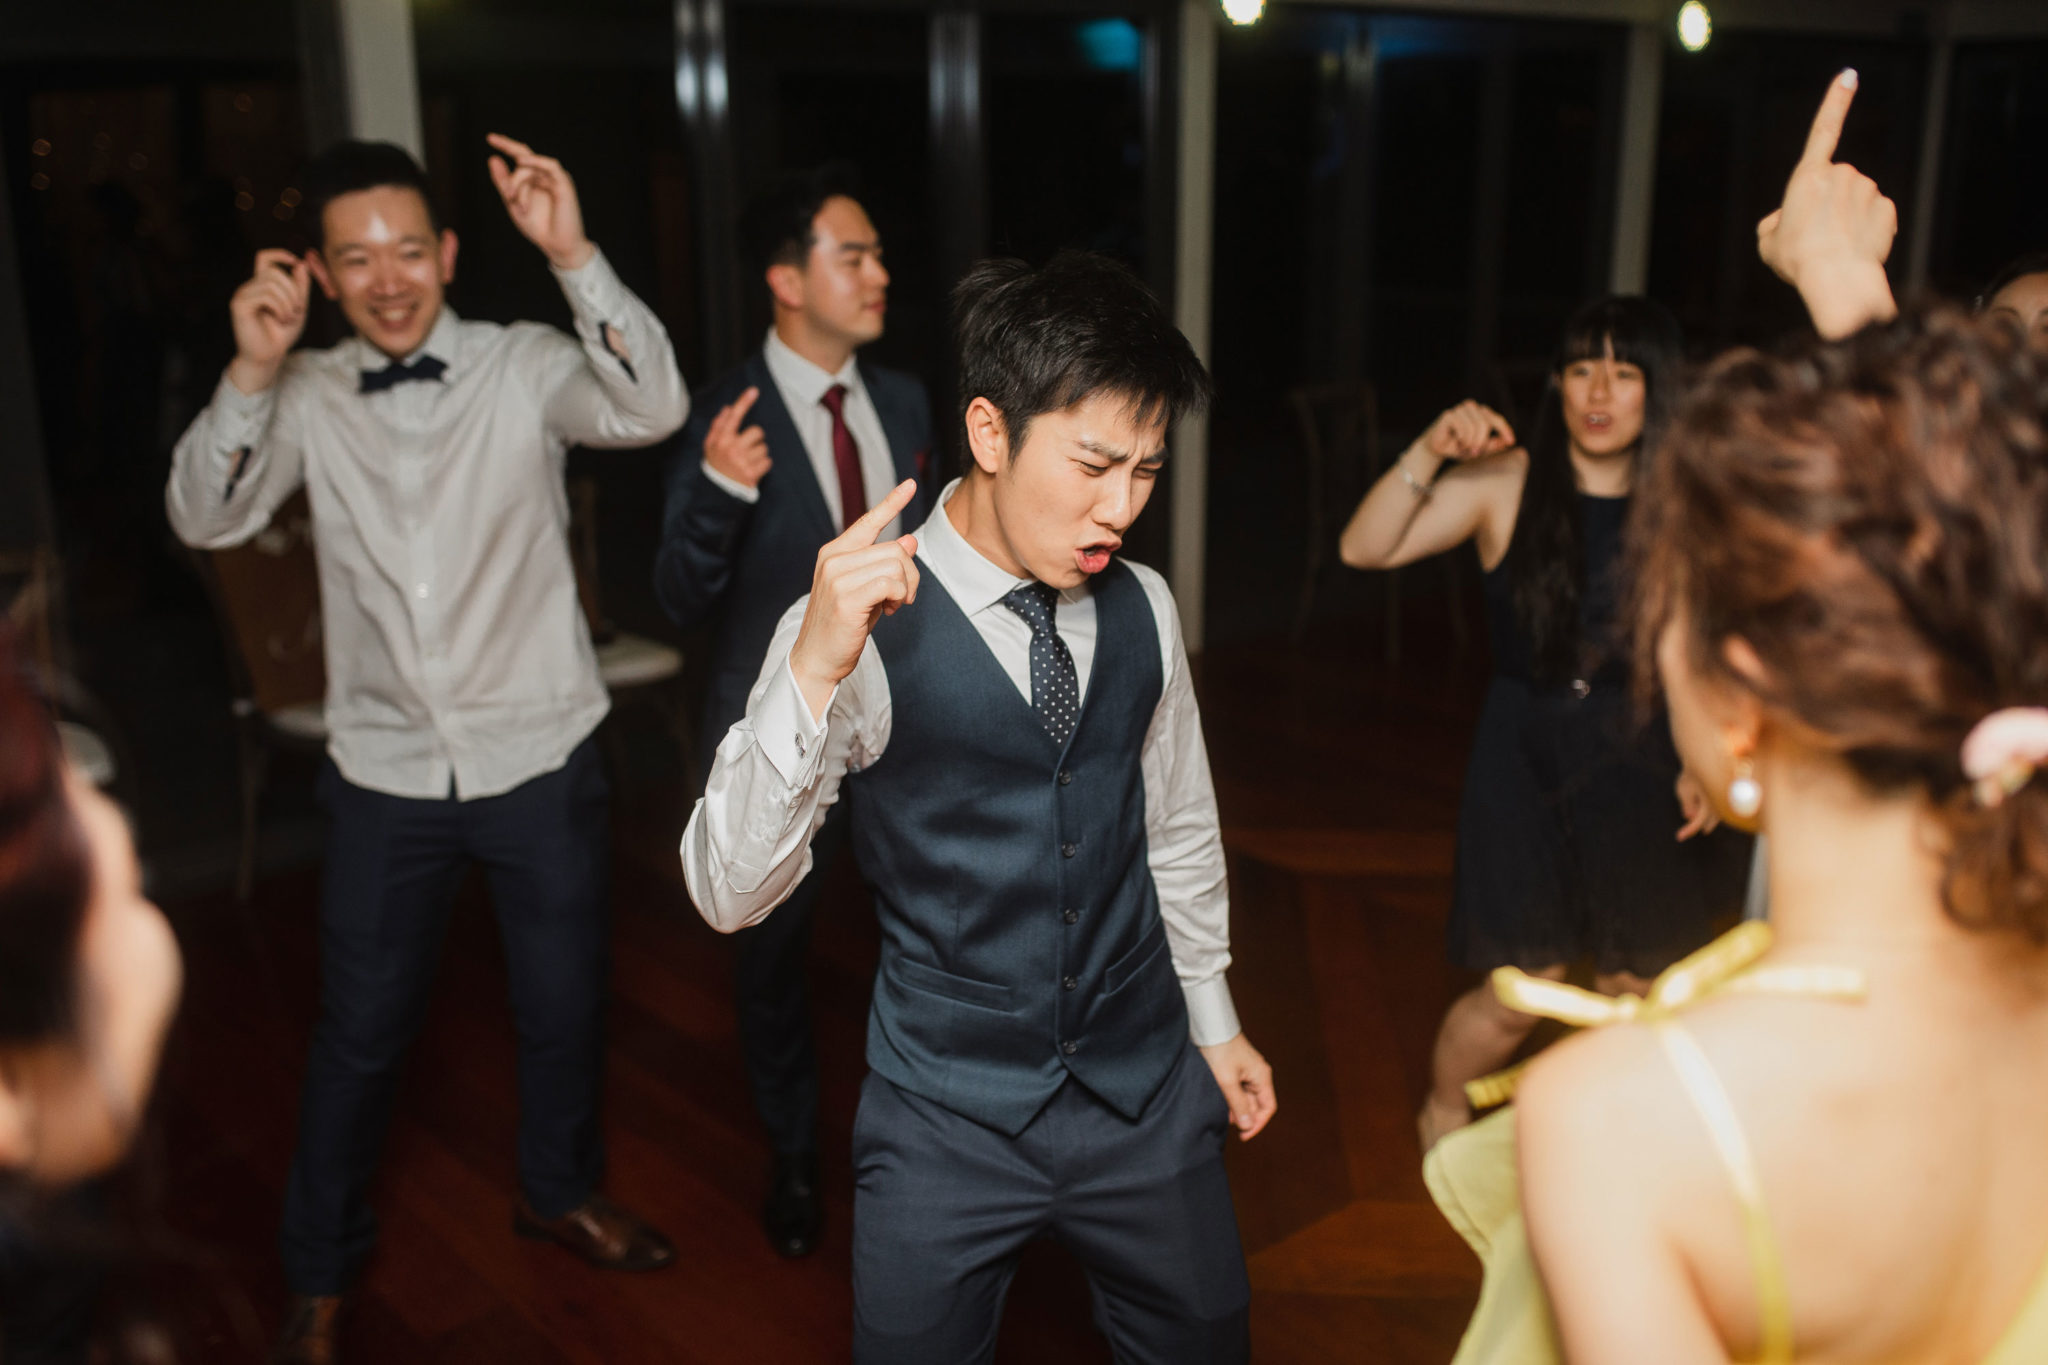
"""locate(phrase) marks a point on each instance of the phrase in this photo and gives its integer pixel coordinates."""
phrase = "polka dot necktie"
(1054, 694)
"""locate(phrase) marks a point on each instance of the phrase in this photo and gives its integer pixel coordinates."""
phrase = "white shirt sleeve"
(1184, 837)
(775, 776)
(234, 466)
(627, 390)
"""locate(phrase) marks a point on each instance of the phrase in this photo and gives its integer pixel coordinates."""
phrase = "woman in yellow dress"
(1833, 1147)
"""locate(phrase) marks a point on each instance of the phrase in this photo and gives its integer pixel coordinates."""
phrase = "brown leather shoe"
(600, 1232)
(309, 1336)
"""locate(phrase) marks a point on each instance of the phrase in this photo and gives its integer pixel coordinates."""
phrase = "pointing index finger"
(864, 531)
(511, 146)
(1826, 132)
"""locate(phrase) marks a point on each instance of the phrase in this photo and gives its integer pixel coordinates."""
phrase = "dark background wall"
(1413, 199)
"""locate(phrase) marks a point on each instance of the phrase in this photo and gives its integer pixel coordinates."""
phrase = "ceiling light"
(1243, 11)
(1695, 25)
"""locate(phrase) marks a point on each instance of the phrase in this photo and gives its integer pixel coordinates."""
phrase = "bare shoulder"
(1603, 1149)
(1596, 1101)
(1609, 1178)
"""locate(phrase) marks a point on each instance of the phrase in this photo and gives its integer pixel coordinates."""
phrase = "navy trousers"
(944, 1207)
(771, 984)
(392, 868)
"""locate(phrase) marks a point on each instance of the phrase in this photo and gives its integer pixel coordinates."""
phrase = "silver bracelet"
(1421, 490)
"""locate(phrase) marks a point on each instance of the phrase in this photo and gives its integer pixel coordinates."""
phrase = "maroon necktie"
(853, 498)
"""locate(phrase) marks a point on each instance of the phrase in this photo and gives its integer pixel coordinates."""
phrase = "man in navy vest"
(805, 439)
(1052, 1041)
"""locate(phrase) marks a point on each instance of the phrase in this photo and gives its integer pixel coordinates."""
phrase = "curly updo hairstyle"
(1871, 515)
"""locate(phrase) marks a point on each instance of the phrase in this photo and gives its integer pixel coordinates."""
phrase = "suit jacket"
(738, 566)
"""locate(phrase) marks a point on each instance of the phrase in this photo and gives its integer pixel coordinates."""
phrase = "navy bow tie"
(397, 372)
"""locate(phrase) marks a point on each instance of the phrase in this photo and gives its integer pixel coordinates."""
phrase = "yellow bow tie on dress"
(1722, 967)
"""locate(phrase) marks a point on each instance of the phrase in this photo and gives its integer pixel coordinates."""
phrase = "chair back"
(1340, 435)
(267, 595)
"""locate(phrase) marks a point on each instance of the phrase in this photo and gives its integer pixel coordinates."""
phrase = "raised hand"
(1467, 432)
(1833, 233)
(739, 454)
(541, 198)
(857, 582)
(269, 312)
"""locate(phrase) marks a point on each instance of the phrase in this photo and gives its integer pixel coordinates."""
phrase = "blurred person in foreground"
(1819, 1139)
(89, 980)
(462, 686)
(783, 455)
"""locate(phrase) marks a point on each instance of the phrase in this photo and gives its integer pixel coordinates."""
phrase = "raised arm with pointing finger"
(1832, 235)
(1007, 710)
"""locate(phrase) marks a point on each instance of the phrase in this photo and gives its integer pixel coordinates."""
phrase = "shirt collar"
(974, 582)
(802, 382)
(443, 343)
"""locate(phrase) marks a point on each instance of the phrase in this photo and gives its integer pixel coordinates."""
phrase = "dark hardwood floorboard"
(1337, 782)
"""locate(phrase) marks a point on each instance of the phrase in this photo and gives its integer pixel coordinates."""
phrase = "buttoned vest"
(1021, 937)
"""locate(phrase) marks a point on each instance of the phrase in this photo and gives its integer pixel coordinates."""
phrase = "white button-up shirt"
(802, 386)
(457, 654)
(778, 770)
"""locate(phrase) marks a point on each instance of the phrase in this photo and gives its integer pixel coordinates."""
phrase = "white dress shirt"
(778, 770)
(457, 653)
(802, 387)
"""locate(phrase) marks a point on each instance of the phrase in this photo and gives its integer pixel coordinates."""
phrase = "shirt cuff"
(1212, 1015)
(244, 410)
(747, 493)
(595, 292)
(789, 738)
(240, 420)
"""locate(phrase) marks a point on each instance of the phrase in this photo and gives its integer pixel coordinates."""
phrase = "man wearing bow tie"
(462, 687)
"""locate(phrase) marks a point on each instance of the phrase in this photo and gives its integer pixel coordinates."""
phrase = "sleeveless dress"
(1566, 846)
(1471, 1173)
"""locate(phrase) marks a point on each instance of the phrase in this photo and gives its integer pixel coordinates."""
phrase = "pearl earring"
(1745, 793)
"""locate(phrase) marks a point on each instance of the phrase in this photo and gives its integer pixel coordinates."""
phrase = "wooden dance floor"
(1338, 784)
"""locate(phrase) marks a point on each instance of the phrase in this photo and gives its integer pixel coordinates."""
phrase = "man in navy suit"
(785, 453)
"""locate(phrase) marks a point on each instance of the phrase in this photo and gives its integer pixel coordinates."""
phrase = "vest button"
(1067, 850)
(1065, 777)
(1070, 1048)
(1068, 983)
(1071, 916)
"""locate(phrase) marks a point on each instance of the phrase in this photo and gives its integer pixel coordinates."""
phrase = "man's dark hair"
(776, 227)
(2033, 263)
(347, 167)
(1034, 341)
